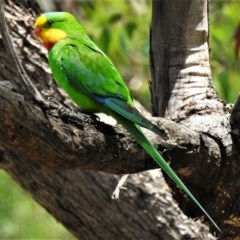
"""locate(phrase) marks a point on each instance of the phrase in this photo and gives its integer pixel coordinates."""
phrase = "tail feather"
(136, 131)
(158, 131)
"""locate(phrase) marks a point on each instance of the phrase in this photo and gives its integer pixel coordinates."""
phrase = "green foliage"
(22, 218)
(224, 21)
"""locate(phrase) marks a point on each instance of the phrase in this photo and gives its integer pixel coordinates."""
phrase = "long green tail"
(136, 131)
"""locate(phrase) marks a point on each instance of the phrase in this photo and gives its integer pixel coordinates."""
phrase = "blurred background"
(121, 29)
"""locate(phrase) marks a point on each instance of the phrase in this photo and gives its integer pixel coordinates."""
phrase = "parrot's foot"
(119, 187)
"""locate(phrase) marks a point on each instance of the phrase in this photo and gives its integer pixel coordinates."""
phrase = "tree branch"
(26, 82)
(77, 141)
(181, 74)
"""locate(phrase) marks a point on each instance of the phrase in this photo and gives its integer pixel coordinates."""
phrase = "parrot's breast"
(81, 99)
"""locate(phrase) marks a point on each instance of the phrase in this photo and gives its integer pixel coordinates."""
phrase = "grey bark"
(182, 91)
(47, 147)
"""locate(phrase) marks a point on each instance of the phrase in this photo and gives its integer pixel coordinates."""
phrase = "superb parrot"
(92, 81)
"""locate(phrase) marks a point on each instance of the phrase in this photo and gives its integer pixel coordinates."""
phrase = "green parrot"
(92, 81)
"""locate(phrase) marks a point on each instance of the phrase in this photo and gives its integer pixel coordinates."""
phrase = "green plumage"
(92, 81)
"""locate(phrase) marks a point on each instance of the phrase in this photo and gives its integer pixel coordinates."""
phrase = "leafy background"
(224, 23)
(121, 29)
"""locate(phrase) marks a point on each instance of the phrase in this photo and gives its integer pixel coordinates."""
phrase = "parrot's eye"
(49, 23)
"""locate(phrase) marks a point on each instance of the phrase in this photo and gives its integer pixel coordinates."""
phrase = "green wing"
(92, 73)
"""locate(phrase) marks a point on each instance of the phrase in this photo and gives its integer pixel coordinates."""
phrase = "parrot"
(92, 81)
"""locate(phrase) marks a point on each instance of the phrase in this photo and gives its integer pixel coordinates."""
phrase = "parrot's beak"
(37, 31)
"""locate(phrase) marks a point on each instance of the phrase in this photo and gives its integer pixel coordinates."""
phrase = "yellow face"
(48, 35)
(40, 21)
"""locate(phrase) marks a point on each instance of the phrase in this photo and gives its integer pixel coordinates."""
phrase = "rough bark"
(180, 59)
(182, 91)
(36, 135)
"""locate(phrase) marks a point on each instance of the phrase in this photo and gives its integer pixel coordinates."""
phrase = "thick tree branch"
(76, 143)
(26, 82)
(182, 91)
(181, 74)
(84, 205)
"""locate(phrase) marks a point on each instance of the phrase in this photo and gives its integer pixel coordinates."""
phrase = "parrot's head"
(51, 27)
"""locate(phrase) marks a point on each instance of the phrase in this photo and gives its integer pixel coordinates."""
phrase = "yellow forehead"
(40, 21)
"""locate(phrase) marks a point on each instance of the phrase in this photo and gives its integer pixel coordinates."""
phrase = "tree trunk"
(49, 148)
